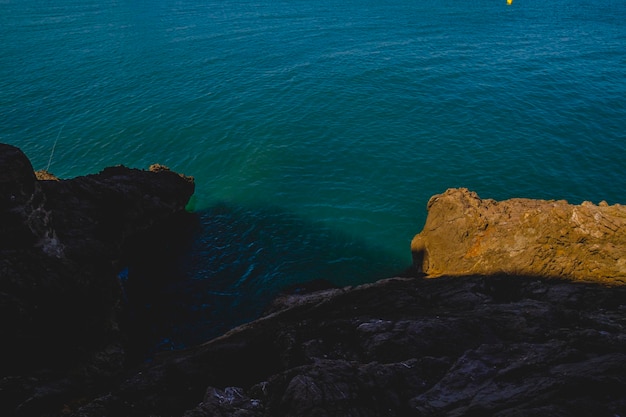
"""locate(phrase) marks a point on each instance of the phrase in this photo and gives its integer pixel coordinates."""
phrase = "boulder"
(465, 234)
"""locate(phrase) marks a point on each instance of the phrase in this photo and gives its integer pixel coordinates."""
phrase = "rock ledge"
(465, 235)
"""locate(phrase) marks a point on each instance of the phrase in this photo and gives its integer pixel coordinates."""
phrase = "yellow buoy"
(509, 2)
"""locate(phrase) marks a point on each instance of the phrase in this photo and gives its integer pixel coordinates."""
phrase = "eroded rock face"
(465, 234)
(59, 292)
(24, 219)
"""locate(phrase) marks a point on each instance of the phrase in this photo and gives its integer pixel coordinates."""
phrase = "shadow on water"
(204, 273)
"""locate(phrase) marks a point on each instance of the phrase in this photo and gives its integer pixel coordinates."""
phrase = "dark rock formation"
(470, 346)
(60, 242)
(497, 345)
(465, 234)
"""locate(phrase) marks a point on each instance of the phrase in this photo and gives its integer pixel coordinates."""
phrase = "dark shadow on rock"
(475, 345)
(59, 294)
(206, 273)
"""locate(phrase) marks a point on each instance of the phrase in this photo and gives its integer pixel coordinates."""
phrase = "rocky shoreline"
(489, 335)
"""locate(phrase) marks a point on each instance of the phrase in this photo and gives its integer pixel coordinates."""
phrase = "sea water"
(316, 131)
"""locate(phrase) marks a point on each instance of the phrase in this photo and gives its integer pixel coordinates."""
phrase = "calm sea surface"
(316, 130)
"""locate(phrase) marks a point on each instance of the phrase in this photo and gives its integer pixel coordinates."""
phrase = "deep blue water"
(316, 130)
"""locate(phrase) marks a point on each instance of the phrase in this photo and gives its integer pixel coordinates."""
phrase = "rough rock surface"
(465, 234)
(452, 346)
(60, 242)
(497, 345)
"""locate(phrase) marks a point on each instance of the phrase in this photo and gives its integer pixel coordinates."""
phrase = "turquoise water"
(316, 130)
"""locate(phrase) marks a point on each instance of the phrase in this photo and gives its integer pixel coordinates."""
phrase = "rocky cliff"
(509, 343)
(501, 344)
(60, 244)
(465, 234)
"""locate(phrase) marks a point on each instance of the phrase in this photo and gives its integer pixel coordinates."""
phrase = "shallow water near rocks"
(317, 133)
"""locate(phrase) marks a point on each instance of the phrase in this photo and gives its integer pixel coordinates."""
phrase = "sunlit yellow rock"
(465, 234)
